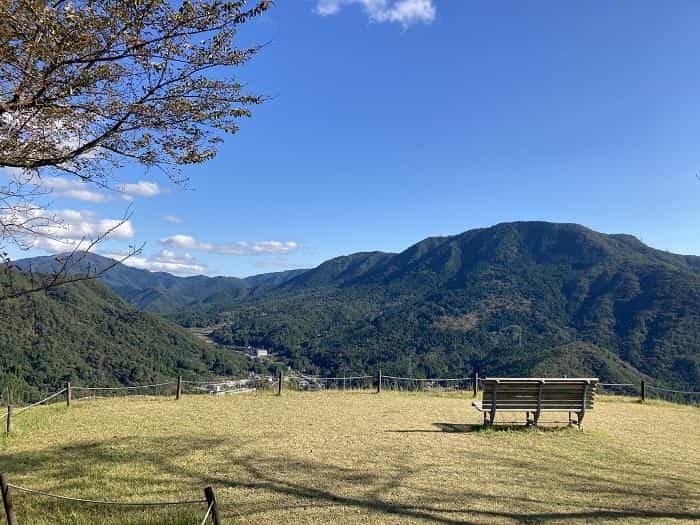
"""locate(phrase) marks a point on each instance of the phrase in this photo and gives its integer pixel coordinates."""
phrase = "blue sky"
(394, 120)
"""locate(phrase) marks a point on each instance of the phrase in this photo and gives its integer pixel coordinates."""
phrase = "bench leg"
(571, 420)
(486, 419)
(580, 416)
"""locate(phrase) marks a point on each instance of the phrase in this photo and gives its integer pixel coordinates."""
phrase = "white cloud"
(59, 186)
(71, 189)
(76, 189)
(83, 195)
(173, 219)
(404, 12)
(163, 261)
(141, 188)
(187, 242)
(61, 230)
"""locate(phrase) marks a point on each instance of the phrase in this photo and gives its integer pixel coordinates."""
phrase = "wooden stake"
(211, 500)
(379, 381)
(279, 383)
(178, 394)
(69, 394)
(9, 418)
(476, 383)
(643, 391)
(7, 501)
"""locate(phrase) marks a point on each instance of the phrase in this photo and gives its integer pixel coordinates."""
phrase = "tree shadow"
(282, 483)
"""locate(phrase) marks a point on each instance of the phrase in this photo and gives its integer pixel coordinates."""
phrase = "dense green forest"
(514, 299)
(85, 334)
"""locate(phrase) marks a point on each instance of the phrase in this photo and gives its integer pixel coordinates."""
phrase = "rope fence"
(106, 502)
(686, 397)
(415, 384)
(300, 382)
(5, 486)
(303, 382)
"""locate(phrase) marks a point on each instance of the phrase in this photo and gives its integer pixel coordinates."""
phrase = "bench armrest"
(477, 405)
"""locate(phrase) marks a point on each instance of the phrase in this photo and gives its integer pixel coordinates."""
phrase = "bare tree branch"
(87, 87)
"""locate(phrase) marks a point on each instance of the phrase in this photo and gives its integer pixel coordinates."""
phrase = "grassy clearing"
(330, 457)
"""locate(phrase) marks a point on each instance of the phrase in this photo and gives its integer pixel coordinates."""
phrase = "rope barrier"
(105, 502)
(232, 391)
(424, 379)
(616, 384)
(673, 391)
(136, 387)
(206, 516)
(19, 411)
(319, 378)
(213, 382)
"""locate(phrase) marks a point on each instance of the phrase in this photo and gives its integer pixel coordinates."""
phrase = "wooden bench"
(534, 395)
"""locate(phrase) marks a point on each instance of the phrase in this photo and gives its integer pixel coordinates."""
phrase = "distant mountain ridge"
(161, 292)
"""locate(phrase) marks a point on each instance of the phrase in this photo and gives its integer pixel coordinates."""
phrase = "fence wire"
(297, 381)
(618, 389)
(417, 384)
(106, 502)
(686, 397)
(302, 382)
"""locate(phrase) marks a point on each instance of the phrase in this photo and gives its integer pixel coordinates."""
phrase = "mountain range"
(516, 298)
(159, 291)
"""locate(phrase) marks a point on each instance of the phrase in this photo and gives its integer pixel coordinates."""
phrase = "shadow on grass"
(151, 468)
(459, 428)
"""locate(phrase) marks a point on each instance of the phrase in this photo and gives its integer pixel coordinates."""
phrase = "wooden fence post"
(211, 501)
(379, 381)
(476, 383)
(9, 418)
(69, 394)
(178, 393)
(7, 500)
(643, 391)
(280, 378)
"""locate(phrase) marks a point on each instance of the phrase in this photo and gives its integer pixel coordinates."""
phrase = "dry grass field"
(333, 457)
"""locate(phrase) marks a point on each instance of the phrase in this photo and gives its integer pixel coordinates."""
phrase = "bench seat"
(536, 395)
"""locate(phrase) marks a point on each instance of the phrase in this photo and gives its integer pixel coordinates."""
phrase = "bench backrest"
(539, 393)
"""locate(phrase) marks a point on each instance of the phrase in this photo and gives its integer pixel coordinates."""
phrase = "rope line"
(136, 387)
(319, 378)
(206, 516)
(673, 391)
(232, 391)
(19, 411)
(425, 379)
(105, 502)
(616, 384)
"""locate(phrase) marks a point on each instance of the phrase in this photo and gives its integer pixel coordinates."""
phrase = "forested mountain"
(84, 333)
(514, 299)
(510, 299)
(159, 291)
